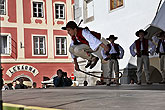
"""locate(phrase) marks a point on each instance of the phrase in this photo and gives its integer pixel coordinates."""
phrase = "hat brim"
(137, 33)
(63, 28)
(114, 38)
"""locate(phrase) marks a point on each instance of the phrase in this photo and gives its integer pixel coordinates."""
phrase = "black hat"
(161, 34)
(141, 30)
(70, 24)
(112, 37)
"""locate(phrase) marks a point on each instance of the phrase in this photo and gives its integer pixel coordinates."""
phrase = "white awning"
(158, 24)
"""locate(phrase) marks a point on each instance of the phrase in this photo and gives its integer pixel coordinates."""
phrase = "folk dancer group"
(84, 43)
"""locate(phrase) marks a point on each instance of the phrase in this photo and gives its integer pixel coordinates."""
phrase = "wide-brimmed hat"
(112, 37)
(161, 34)
(141, 30)
(70, 24)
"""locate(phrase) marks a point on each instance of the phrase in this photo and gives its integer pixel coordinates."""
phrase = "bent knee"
(77, 50)
(71, 49)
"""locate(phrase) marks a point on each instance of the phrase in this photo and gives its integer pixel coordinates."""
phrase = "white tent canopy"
(158, 24)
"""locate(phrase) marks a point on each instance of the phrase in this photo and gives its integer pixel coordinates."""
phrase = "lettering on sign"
(16, 68)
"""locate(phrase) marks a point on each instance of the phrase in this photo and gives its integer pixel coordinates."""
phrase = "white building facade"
(119, 17)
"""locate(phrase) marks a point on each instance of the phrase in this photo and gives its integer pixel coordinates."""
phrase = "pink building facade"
(32, 42)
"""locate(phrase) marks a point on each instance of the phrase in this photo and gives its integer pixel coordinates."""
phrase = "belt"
(112, 56)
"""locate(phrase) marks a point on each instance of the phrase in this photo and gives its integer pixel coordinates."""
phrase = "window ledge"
(4, 18)
(59, 21)
(38, 20)
(6, 54)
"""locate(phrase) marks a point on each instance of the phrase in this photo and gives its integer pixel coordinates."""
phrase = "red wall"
(27, 11)
(12, 11)
(45, 69)
(13, 32)
(28, 41)
(72, 1)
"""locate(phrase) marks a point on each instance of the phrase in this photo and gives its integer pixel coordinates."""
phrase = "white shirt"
(156, 40)
(94, 43)
(150, 44)
(161, 49)
(112, 51)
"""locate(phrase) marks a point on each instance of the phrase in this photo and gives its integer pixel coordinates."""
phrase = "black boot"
(94, 63)
(88, 64)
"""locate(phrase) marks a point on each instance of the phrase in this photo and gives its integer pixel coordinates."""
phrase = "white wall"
(122, 22)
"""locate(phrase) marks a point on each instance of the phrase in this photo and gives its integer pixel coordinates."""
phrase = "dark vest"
(115, 55)
(158, 48)
(79, 37)
(145, 47)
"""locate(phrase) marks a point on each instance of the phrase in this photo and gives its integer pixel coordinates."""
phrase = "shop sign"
(17, 68)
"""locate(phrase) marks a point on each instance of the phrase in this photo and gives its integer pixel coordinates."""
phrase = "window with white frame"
(61, 46)
(88, 10)
(39, 45)
(115, 4)
(59, 11)
(5, 44)
(2, 7)
(38, 9)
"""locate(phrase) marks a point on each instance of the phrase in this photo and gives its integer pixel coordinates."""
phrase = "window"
(61, 46)
(59, 11)
(115, 4)
(2, 7)
(5, 44)
(38, 9)
(88, 10)
(39, 45)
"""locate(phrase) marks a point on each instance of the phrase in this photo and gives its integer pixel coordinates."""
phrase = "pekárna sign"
(16, 68)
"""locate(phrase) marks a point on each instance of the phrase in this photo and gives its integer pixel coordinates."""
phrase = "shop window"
(88, 10)
(39, 45)
(2, 7)
(5, 44)
(38, 9)
(61, 46)
(59, 11)
(115, 4)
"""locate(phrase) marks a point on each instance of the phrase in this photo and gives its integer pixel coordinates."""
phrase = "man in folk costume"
(115, 52)
(143, 47)
(83, 44)
(161, 50)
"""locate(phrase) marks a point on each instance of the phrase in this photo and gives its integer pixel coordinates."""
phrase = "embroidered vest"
(145, 47)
